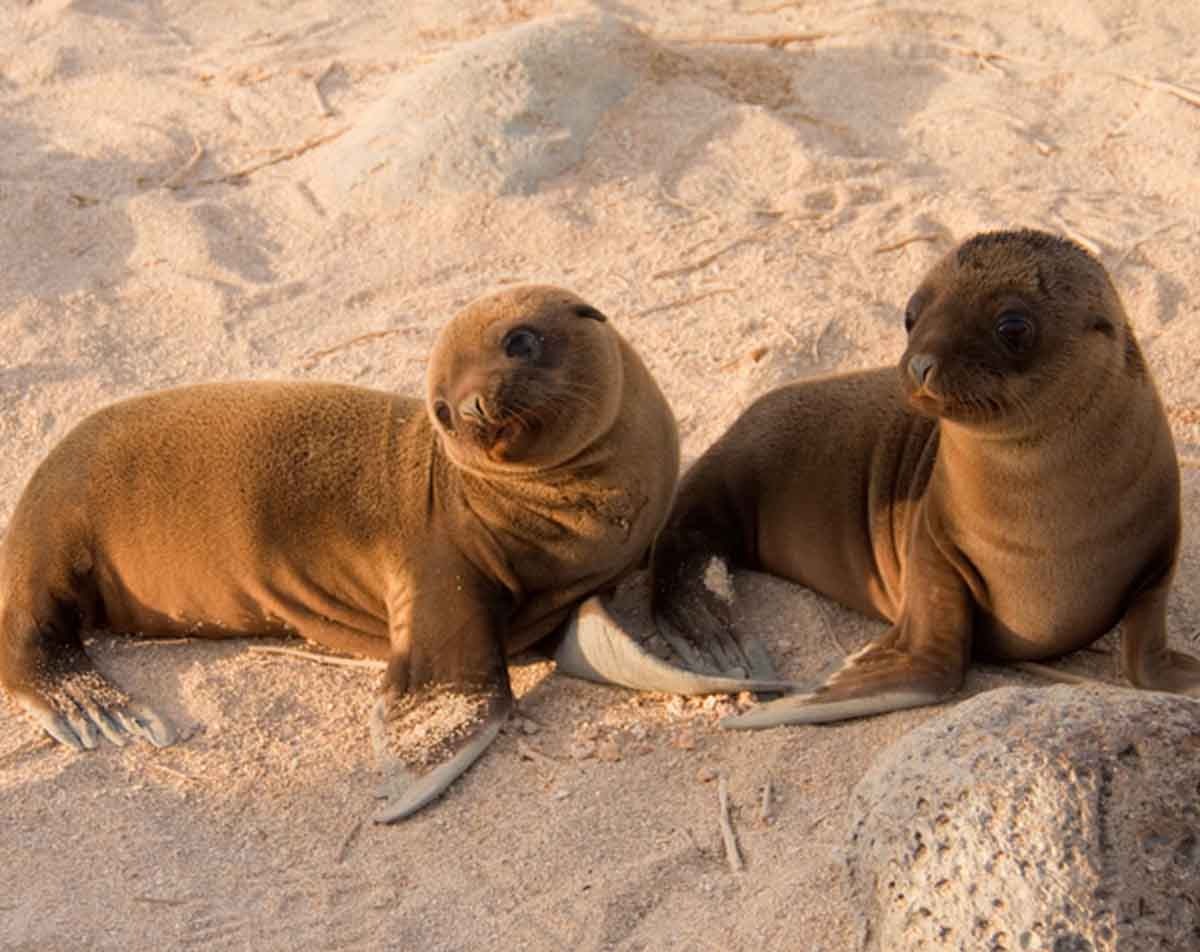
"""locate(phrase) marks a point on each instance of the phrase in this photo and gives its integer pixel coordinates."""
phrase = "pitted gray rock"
(1063, 819)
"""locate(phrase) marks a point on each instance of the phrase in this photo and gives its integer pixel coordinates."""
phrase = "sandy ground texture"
(212, 189)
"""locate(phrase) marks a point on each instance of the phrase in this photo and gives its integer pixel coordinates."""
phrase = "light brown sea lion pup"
(438, 534)
(1012, 492)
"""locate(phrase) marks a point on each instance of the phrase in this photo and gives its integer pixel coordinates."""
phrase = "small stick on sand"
(754, 235)
(1081, 239)
(897, 245)
(322, 105)
(529, 752)
(170, 771)
(1054, 674)
(775, 41)
(682, 302)
(1190, 96)
(764, 813)
(27, 747)
(731, 847)
(774, 8)
(295, 152)
(176, 180)
(1149, 236)
(310, 360)
(348, 841)
(333, 660)
(161, 902)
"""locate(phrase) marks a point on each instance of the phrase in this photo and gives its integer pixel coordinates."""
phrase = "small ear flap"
(586, 310)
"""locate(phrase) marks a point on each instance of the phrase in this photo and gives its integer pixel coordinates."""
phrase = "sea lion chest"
(1050, 549)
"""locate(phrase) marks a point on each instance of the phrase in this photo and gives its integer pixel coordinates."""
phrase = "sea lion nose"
(471, 407)
(920, 367)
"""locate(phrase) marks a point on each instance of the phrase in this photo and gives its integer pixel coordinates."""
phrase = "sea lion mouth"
(503, 439)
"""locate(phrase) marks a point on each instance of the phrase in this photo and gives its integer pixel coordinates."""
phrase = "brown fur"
(349, 516)
(1017, 503)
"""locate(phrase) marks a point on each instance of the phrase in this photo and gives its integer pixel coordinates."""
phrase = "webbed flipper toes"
(425, 739)
(79, 707)
(597, 647)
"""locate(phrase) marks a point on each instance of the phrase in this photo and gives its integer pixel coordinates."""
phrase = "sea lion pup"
(439, 534)
(1012, 492)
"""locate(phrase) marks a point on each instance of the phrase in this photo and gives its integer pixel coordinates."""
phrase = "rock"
(1063, 819)
(500, 114)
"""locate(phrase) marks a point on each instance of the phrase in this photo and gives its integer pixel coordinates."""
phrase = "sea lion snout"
(921, 368)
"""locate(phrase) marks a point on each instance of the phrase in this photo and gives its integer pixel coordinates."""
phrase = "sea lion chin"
(1009, 490)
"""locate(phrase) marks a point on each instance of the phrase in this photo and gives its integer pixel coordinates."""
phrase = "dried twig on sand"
(1054, 674)
(755, 234)
(1190, 96)
(1090, 244)
(170, 771)
(897, 245)
(1149, 236)
(27, 747)
(764, 813)
(682, 302)
(347, 842)
(308, 361)
(322, 105)
(288, 154)
(176, 179)
(529, 752)
(333, 660)
(775, 41)
(774, 8)
(727, 835)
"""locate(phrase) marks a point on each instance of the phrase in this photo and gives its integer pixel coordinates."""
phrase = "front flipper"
(424, 739)
(921, 660)
(445, 694)
(595, 646)
(79, 707)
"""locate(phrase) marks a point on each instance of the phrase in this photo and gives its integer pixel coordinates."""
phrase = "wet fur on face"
(996, 324)
(527, 377)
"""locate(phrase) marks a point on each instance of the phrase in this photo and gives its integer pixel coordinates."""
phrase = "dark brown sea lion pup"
(440, 535)
(1012, 492)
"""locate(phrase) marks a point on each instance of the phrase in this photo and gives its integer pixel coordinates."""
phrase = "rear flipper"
(425, 739)
(78, 706)
(878, 679)
(597, 647)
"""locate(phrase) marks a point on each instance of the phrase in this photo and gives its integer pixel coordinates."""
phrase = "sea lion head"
(524, 378)
(1011, 328)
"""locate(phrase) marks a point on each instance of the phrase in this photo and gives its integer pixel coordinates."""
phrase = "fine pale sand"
(216, 190)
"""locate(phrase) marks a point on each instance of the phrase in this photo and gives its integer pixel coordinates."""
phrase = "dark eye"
(523, 344)
(1015, 330)
(441, 410)
(910, 315)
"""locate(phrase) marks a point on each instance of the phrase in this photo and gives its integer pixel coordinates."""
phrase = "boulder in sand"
(1063, 819)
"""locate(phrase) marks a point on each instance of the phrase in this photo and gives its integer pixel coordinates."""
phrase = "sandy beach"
(217, 190)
